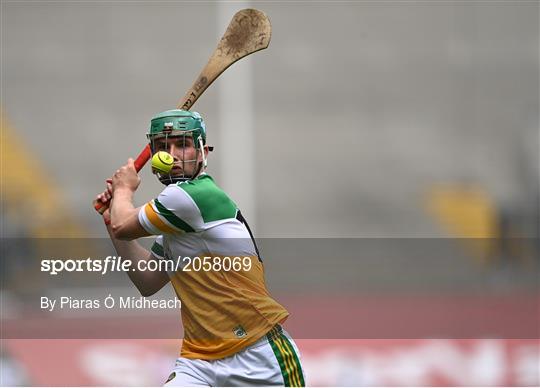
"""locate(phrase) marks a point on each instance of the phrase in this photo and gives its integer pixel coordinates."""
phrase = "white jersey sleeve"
(173, 211)
(187, 207)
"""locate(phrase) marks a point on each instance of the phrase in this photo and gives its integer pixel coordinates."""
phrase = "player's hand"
(105, 198)
(107, 216)
(126, 178)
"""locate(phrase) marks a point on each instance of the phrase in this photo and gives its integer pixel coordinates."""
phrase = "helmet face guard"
(177, 126)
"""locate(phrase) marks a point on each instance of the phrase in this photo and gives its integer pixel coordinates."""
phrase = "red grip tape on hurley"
(139, 163)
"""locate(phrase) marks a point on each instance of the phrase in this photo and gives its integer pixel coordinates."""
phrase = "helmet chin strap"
(201, 147)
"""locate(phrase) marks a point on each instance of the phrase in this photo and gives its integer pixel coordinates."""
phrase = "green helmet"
(177, 122)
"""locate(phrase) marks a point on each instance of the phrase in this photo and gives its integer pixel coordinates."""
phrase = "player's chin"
(178, 172)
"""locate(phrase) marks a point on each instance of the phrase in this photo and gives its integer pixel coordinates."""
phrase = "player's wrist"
(123, 192)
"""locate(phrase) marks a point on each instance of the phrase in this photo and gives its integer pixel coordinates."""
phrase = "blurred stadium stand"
(388, 121)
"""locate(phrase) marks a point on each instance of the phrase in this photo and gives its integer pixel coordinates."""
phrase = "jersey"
(223, 310)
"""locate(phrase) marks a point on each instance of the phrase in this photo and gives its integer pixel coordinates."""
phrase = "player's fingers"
(102, 198)
(131, 164)
(122, 170)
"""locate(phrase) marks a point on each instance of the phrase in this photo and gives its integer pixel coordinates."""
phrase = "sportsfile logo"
(109, 264)
(117, 264)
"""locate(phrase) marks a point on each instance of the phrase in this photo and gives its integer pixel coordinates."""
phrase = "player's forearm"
(147, 282)
(123, 214)
(131, 250)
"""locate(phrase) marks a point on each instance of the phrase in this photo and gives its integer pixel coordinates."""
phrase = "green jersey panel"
(212, 202)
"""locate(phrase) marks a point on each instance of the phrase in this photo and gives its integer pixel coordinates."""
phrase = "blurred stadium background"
(384, 123)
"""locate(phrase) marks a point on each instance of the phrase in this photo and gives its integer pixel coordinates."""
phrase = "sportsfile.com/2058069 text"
(117, 264)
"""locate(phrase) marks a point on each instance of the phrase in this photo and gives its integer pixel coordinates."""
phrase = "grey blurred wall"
(359, 107)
